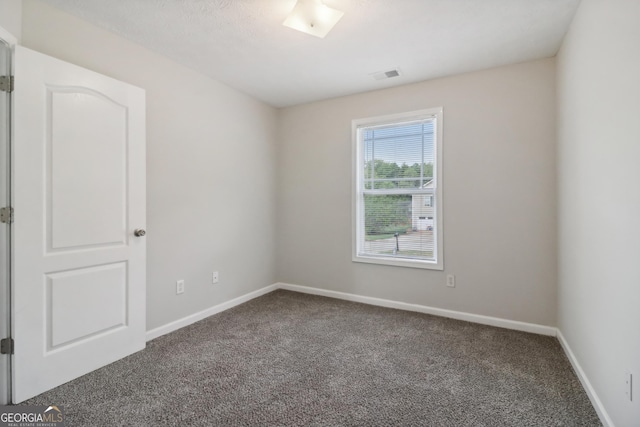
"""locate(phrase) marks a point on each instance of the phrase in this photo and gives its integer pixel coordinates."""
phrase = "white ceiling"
(244, 44)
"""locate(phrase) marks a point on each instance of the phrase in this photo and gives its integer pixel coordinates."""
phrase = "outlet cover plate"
(451, 281)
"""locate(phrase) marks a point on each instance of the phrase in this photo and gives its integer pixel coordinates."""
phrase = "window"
(428, 201)
(397, 212)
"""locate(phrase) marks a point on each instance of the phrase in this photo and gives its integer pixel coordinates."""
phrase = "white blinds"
(398, 156)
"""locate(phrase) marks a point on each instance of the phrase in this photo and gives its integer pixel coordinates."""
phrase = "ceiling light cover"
(313, 17)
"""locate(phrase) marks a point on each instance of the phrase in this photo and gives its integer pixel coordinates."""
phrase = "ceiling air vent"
(382, 75)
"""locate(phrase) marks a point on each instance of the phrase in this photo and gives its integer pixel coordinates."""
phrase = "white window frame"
(358, 197)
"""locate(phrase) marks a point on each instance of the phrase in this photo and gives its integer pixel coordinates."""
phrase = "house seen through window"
(397, 210)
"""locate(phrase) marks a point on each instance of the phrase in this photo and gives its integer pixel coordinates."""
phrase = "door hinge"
(6, 215)
(6, 84)
(6, 346)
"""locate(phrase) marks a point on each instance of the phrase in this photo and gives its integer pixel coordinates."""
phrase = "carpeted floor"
(289, 359)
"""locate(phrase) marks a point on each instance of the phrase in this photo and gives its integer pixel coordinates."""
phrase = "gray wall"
(599, 200)
(11, 17)
(210, 173)
(499, 194)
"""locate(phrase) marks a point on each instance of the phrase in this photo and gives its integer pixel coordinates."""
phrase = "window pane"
(392, 228)
(398, 156)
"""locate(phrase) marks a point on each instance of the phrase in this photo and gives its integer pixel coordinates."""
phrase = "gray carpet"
(289, 359)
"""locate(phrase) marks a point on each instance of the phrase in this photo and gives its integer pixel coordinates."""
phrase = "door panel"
(79, 185)
(92, 212)
(95, 294)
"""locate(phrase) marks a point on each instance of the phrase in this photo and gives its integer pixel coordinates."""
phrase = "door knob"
(139, 232)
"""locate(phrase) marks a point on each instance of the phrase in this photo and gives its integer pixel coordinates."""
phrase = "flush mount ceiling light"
(313, 17)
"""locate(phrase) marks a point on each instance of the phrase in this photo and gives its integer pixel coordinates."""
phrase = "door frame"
(6, 243)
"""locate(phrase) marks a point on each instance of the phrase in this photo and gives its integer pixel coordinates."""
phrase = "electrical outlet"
(451, 280)
(628, 390)
(180, 287)
(215, 278)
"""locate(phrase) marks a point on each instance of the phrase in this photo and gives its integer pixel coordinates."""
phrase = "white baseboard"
(459, 315)
(586, 384)
(185, 321)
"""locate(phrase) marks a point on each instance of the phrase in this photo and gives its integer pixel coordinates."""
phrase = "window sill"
(399, 262)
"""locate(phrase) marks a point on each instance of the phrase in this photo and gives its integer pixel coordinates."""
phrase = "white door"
(422, 223)
(79, 194)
